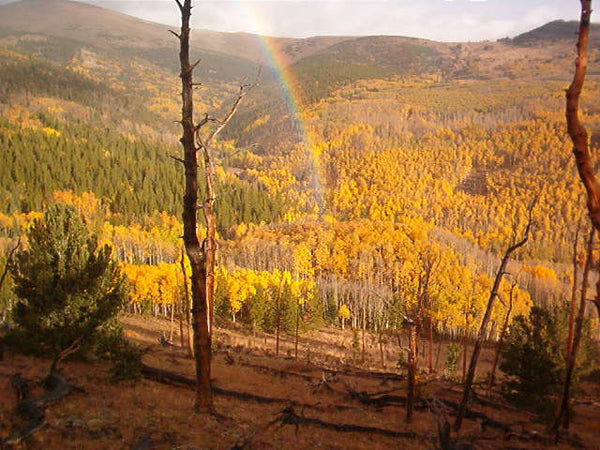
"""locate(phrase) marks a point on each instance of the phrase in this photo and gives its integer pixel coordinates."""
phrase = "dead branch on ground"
(288, 416)
(32, 409)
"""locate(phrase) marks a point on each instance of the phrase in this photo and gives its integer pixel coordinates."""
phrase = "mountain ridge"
(101, 27)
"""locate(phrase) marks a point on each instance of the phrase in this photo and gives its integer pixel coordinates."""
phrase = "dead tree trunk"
(188, 319)
(465, 348)
(363, 338)
(563, 409)
(297, 333)
(196, 252)
(576, 130)
(201, 256)
(278, 317)
(573, 304)
(172, 328)
(501, 338)
(381, 352)
(430, 349)
(181, 332)
(486, 318)
(413, 350)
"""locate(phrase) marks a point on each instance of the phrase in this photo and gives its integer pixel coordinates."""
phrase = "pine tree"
(70, 289)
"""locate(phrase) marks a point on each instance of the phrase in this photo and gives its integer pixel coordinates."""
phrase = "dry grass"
(111, 416)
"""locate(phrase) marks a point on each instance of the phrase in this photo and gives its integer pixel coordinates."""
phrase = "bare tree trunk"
(577, 132)
(563, 409)
(501, 338)
(278, 317)
(202, 257)
(465, 348)
(430, 350)
(186, 296)
(573, 305)
(196, 254)
(181, 333)
(172, 328)
(412, 370)
(381, 352)
(484, 323)
(364, 326)
(297, 336)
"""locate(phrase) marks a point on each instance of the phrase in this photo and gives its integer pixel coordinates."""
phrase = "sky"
(443, 20)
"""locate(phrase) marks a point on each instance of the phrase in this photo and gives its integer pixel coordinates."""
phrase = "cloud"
(447, 20)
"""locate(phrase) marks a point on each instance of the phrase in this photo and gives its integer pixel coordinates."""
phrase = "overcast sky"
(447, 20)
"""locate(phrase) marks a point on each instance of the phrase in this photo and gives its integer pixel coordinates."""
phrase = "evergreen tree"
(533, 357)
(69, 288)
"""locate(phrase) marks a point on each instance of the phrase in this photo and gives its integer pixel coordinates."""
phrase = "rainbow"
(289, 84)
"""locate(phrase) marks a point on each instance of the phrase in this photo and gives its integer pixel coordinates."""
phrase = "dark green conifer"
(70, 289)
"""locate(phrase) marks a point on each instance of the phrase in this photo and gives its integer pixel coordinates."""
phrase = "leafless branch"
(193, 66)
(177, 159)
(206, 119)
(223, 123)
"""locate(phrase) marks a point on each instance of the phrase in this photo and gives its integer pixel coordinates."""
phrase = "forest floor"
(320, 400)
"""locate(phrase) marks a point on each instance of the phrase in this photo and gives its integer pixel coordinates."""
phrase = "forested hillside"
(459, 137)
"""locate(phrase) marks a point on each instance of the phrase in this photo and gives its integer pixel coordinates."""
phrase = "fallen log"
(365, 374)
(288, 416)
(279, 372)
(423, 404)
(166, 377)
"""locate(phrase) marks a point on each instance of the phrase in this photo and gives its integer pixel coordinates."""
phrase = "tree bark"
(486, 318)
(364, 326)
(430, 349)
(501, 338)
(465, 342)
(199, 257)
(278, 317)
(188, 319)
(381, 352)
(563, 409)
(577, 132)
(181, 332)
(573, 305)
(412, 370)
(297, 334)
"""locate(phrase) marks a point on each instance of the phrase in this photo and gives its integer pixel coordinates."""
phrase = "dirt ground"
(319, 386)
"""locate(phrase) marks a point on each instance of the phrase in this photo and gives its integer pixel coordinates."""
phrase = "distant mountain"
(557, 30)
(62, 30)
(98, 27)
(84, 23)
(69, 22)
(57, 30)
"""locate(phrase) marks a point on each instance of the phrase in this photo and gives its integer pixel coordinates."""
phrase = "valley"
(364, 185)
